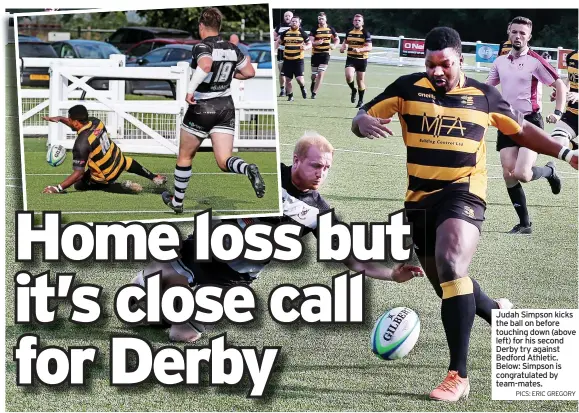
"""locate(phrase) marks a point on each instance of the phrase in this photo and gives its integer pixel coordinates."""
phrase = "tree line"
(551, 27)
(256, 18)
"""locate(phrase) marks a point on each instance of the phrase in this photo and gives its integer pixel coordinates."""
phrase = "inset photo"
(148, 115)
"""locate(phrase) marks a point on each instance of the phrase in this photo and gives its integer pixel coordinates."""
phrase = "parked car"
(260, 53)
(84, 49)
(34, 76)
(125, 37)
(165, 56)
(146, 46)
(27, 38)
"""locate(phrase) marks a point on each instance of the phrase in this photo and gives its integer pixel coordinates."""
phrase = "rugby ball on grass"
(55, 155)
(395, 333)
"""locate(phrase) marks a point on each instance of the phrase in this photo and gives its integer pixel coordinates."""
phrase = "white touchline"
(404, 156)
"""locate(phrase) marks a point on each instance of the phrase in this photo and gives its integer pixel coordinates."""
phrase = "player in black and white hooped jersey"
(211, 110)
(301, 203)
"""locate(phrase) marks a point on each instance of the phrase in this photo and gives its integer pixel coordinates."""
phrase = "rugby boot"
(554, 180)
(452, 389)
(522, 229)
(256, 180)
(168, 200)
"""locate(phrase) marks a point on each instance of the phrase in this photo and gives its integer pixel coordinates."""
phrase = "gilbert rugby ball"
(55, 155)
(395, 333)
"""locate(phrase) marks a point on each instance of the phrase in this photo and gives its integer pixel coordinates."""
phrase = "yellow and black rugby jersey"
(444, 133)
(293, 40)
(505, 47)
(94, 149)
(325, 34)
(572, 75)
(357, 38)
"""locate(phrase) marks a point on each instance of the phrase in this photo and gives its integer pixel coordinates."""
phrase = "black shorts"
(208, 273)
(359, 65)
(293, 68)
(503, 141)
(215, 115)
(438, 208)
(571, 120)
(87, 183)
(320, 59)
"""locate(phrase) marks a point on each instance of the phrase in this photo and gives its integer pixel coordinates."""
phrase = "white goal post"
(141, 126)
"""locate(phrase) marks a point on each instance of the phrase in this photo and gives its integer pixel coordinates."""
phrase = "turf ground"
(329, 368)
(225, 193)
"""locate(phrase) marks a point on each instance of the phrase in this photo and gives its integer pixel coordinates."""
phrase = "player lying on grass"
(94, 149)
(312, 159)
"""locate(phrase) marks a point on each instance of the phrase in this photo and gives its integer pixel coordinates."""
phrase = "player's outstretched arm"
(539, 141)
(399, 273)
(57, 119)
(366, 126)
(74, 177)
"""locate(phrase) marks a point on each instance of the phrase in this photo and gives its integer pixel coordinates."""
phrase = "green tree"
(256, 18)
(551, 27)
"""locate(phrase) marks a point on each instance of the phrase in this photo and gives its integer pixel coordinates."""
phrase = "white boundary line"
(404, 156)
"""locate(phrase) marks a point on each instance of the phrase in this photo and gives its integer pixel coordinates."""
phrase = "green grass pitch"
(225, 193)
(329, 368)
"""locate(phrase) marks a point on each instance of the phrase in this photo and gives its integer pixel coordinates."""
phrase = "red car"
(146, 46)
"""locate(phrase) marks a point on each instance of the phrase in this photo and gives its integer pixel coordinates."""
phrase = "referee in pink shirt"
(519, 73)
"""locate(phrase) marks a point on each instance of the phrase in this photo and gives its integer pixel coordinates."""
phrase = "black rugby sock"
(484, 304)
(137, 168)
(351, 84)
(457, 311)
(361, 94)
(541, 172)
(519, 200)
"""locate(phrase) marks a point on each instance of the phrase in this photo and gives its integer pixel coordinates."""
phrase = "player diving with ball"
(312, 160)
(97, 161)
